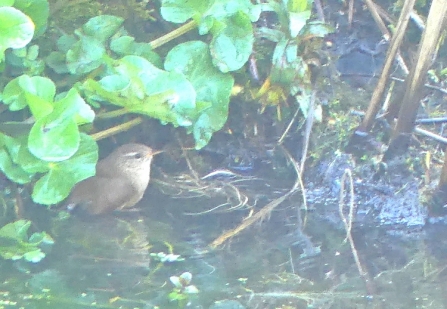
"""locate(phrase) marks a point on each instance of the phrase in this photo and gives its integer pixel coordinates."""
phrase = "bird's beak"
(156, 152)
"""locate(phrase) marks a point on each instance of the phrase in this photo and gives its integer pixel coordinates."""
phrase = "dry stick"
(266, 210)
(308, 130)
(432, 135)
(375, 104)
(320, 11)
(350, 12)
(348, 227)
(375, 12)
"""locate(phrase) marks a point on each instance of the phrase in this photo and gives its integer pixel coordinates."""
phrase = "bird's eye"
(138, 156)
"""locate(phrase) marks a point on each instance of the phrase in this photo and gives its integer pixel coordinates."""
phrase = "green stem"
(173, 34)
(117, 129)
(112, 114)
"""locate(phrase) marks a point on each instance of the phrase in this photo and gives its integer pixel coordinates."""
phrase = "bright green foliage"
(85, 51)
(26, 60)
(16, 29)
(229, 22)
(108, 68)
(62, 176)
(52, 144)
(212, 87)
(37, 10)
(183, 289)
(20, 21)
(142, 88)
(55, 134)
(15, 244)
(289, 69)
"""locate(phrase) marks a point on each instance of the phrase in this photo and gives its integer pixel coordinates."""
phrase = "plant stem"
(117, 129)
(112, 114)
(173, 34)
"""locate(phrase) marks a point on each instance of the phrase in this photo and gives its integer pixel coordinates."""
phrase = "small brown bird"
(120, 181)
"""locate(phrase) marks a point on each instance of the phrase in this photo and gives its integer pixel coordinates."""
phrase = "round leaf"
(62, 176)
(85, 56)
(102, 27)
(13, 171)
(212, 86)
(16, 29)
(37, 10)
(232, 46)
(55, 140)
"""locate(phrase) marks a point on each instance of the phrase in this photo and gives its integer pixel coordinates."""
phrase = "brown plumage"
(120, 181)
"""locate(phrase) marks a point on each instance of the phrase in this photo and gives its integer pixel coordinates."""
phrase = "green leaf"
(27, 161)
(35, 91)
(16, 230)
(39, 93)
(85, 56)
(55, 137)
(232, 46)
(34, 256)
(126, 45)
(297, 21)
(54, 140)
(140, 87)
(15, 245)
(56, 61)
(16, 29)
(213, 88)
(62, 176)
(65, 42)
(13, 171)
(14, 96)
(221, 9)
(102, 27)
(6, 2)
(38, 10)
(286, 63)
(298, 6)
(178, 11)
(228, 20)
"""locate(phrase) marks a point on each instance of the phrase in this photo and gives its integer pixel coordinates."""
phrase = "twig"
(348, 227)
(309, 124)
(265, 211)
(432, 135)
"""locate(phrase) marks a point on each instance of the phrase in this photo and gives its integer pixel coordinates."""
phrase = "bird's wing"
(103, 169)
(112, 194)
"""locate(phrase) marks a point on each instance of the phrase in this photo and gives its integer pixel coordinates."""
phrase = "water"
(106, 262)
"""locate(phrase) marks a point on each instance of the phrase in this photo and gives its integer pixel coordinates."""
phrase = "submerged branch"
(265, 211)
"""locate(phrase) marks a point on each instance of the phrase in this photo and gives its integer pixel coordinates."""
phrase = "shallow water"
(106, 262)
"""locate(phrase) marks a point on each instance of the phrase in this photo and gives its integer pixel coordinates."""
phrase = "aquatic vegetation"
(166, 258)
(16, 245)
(182, 290)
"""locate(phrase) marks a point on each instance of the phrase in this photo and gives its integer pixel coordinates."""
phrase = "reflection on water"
(106, 262)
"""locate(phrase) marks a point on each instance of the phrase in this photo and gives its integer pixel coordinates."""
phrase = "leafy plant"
(21, 20)
(15, 244)
(294, 51)
(105, 67)
(183, 290)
